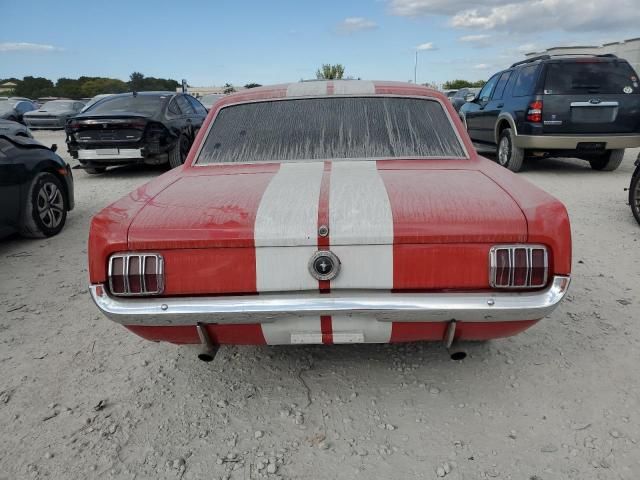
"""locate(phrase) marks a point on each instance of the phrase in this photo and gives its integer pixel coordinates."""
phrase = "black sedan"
(145, 127)
(36, 188)
(8, 127)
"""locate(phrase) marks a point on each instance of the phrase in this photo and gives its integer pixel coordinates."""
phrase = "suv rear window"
(590, 77)
(331, 128)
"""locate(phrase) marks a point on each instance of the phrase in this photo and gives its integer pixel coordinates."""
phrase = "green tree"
(97, 86)
(330, 72)
(228, 88)
(252, 85)
(458, 84)
(136, 82)
(34, 87)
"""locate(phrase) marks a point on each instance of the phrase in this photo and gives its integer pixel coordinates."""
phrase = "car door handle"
(500, 105)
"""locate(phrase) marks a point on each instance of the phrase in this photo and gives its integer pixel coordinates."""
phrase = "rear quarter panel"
(547, 218)
(109, 228)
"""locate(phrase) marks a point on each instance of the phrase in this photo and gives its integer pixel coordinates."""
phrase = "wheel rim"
(503, 151)
(50, 204)
(636, 198)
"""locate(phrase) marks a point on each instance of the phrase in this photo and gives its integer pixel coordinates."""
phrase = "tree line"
(86, 87)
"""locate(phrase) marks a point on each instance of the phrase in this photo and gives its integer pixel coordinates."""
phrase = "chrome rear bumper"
(381, 306)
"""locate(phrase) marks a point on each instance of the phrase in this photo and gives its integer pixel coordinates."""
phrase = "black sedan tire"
(45, 212)
(609, 161)
(179, 152)
(634, 196)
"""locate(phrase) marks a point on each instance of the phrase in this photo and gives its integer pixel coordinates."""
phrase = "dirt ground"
(81, 397)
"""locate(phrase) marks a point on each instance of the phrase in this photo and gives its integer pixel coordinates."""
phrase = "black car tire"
(609, 161)
(45, 212)
(508, 155)
(634, 195)
(95, 170)
(179, 152)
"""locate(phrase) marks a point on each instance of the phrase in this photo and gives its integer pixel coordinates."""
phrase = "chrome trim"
(529, 248)
(384, 306)
(324, 276)
(142, 262)
(598, 104)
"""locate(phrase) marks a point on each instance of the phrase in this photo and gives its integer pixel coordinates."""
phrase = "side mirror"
(54, 148)
(470, 97)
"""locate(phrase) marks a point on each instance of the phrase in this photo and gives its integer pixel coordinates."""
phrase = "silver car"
(53, 114)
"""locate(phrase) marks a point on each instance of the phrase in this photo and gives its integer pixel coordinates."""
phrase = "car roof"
(568, 57)
(331, 88)
(144, 94)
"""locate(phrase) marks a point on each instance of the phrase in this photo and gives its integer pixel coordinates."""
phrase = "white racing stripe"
(285, 236)
(307, 89)
(361, 235)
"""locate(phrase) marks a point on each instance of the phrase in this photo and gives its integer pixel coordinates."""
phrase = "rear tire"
(95, 170)
(508, 155)
(179, 152)
(609, 161)
(45, 212)
(634, 195)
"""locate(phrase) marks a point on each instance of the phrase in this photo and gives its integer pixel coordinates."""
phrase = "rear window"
(590, 77)
(148, 104)
(331, 128)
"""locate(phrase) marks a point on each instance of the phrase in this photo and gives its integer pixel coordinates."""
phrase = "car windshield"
(147, 104)
(590, 77)
(331, 128)
(57, 105)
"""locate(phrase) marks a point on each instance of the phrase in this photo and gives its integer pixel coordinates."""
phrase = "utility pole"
(415, 69)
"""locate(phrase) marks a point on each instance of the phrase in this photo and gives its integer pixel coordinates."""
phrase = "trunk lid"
(423, 206)
(108, 129)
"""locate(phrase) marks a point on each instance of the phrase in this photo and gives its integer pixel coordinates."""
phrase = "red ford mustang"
(331, 212)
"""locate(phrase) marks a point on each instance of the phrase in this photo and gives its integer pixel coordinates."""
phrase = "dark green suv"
(585, 106)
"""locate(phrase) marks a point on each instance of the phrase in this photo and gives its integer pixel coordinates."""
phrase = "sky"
(275, 41)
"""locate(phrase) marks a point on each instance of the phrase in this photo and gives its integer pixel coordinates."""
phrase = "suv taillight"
(534, 113)
(136, 274)
(518, 266)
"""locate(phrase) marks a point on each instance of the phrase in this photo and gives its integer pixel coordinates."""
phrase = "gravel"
(560, 401)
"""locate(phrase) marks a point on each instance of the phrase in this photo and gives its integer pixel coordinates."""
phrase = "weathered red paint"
(251, 334)
(465, 331)
(447, 214)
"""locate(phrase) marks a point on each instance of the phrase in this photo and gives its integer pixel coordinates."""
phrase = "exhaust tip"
(205, 357)
(458, 355)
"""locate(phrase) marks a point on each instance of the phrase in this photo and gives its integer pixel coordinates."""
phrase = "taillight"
(136, 274)
(518, 266)
(534, 113)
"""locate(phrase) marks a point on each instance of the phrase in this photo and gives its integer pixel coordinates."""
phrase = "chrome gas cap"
(324, 265)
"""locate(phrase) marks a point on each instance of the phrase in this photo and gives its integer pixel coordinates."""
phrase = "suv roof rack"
(548, 57)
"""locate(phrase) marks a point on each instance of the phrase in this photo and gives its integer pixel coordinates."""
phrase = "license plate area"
(593, 114)
(108, 151)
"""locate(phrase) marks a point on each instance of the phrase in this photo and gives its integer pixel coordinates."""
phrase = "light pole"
(415, 69)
